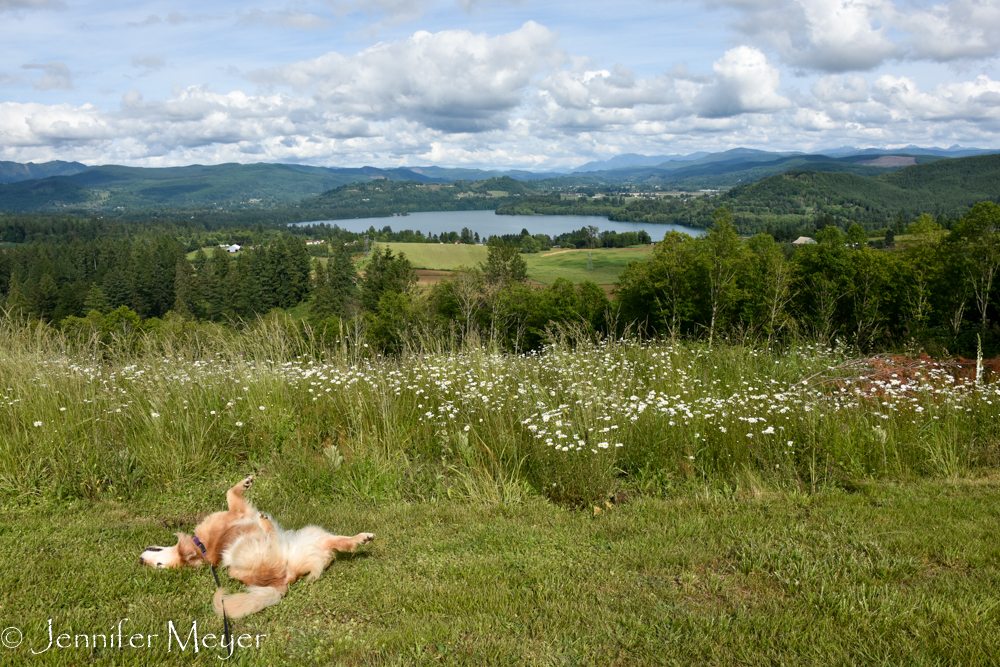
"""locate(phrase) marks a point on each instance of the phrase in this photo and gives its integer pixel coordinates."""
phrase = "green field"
(542, 267)
(440, 256)
(572, 265)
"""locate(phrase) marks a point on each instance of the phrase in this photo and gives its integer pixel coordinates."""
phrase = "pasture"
(603, 502)
(544, 268)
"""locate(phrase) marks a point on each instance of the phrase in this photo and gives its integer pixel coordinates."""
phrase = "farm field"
(547, 267)
(432, 261)
(543, 268)
(619, 501)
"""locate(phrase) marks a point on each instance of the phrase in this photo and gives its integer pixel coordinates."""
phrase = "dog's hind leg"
(234, 496)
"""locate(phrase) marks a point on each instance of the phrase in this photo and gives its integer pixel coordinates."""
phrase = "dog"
(257, 551)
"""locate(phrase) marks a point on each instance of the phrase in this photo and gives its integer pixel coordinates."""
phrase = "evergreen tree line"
(152, 278)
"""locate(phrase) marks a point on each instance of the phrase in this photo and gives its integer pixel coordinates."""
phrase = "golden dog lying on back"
(257, 551)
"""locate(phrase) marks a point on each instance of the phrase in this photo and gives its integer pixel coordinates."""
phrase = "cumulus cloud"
(55, 76)
(747, 83)
(955, 30)
(514, 99)
(454, 80)
(861, 35)
(826, 35)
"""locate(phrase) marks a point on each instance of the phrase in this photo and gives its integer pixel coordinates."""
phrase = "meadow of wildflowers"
(576, 423)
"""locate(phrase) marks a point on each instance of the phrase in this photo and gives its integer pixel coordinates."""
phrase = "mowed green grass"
(572, 265)
(882, 573)
(542, 267)
(440, 256)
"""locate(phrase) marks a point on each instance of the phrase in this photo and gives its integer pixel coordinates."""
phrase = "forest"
(935, 288)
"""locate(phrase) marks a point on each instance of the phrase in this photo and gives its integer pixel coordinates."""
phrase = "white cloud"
(56, 76)
(515, 99)
(861, 35)
(452, 80)
(959, 29)
(746, 83)
(850, 88)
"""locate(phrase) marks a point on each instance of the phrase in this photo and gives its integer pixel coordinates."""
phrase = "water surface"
(487, 223)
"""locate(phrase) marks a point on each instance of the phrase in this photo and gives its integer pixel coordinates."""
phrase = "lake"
(487, 223)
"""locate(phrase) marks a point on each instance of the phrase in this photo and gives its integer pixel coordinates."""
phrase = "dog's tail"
(242, 604)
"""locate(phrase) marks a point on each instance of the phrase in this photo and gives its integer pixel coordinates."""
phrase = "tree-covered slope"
(41, 194)
(11, 172)
(225, 186)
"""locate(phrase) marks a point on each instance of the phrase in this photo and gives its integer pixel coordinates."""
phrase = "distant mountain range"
(15, 171)
(62, 185)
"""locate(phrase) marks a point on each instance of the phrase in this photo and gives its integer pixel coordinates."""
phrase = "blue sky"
(488, 83)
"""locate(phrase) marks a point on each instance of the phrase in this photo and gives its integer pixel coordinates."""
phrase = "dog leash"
(225, 619)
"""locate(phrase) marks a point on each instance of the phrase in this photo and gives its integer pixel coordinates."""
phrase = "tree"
(857, 236)
(920, 267)
(45, 297)
(659, 291)
(16, 303)
(529, 245)
(117, 289)
(504, 263)
(385, 273)
(184, 294)
(466, 287)
(768, 284)
(95, 300)
(869, 291)
(719, 251)
(978, 234)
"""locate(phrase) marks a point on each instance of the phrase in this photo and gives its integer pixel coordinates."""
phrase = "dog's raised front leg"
(339, 543)
(234, 496)
(265, 523)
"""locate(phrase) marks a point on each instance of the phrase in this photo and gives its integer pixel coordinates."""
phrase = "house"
(803, 240)
(233, 248)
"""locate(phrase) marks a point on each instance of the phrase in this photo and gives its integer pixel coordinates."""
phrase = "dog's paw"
(264, 517)
(247, 483)
(365, 538)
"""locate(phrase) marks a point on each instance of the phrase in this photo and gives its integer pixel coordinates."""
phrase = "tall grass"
(576, 423)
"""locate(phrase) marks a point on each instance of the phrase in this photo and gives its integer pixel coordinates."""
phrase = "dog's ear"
(187, 551)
